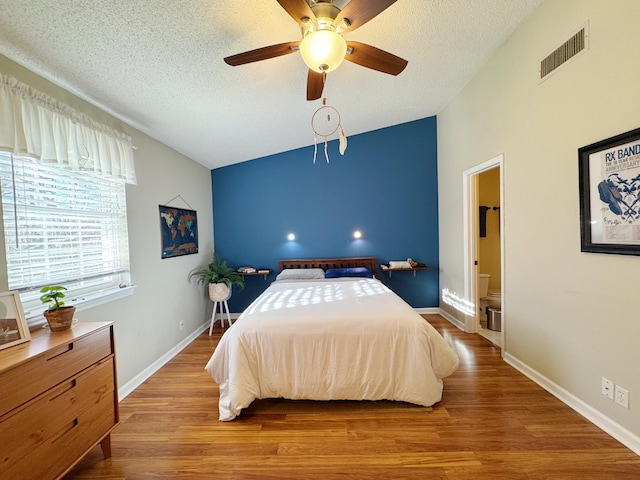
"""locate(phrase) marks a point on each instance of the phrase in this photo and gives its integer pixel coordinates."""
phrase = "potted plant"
(219, 277)
(59, 317)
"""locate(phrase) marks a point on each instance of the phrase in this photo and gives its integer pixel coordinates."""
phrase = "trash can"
(494, 319)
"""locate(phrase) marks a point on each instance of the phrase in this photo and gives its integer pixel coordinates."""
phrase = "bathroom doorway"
(484, 249)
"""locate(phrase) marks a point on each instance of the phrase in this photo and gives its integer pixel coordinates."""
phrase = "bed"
(316, 338)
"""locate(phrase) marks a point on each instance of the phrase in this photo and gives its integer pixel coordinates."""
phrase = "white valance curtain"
(34, 124)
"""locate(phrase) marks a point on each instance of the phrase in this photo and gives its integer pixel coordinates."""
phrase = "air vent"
(565, 52)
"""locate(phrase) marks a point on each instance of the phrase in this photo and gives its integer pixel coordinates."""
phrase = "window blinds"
(62, 227)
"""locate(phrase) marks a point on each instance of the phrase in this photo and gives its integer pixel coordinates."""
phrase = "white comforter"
(338, 339)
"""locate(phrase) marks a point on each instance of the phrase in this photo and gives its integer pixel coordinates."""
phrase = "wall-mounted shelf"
(386, 268)
(264, 272)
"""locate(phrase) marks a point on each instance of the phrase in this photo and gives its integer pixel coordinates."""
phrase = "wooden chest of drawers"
(58, 399)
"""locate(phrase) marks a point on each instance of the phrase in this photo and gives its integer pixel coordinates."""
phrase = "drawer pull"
(65, 387)
(65, 430)
(68, 349)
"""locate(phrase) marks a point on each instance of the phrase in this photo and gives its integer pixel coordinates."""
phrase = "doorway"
(484, 249)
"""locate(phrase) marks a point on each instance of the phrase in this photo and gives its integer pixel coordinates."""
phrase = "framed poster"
(13, 326)
(179, 231)
(609, 173)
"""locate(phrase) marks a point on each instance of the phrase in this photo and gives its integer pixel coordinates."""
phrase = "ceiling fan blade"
(374, 58)
(359, 12)
(315, 84)
(263, 53)
(298, 9)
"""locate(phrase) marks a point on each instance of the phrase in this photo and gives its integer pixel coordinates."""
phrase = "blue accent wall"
(385, 186)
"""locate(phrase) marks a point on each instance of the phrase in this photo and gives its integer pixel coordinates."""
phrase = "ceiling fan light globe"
(323, 50)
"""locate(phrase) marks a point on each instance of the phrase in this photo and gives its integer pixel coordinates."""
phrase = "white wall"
(571, 317)
(147, 322)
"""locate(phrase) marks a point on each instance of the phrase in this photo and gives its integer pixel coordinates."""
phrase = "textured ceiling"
(158, 66)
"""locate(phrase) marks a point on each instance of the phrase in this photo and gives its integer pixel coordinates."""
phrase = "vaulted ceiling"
(158, 66)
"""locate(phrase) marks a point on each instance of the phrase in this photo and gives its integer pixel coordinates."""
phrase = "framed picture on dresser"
(13, 326)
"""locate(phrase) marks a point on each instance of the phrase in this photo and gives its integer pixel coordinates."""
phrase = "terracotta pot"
(219, 292)
(60, 319)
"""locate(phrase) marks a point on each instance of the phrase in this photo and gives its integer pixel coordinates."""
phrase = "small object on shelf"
(398, 264)
(246, 270)
(403, 267)
(415, 264)
(260, 271)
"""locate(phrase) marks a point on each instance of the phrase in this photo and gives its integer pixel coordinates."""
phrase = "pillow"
(300, 274)
(348, 272)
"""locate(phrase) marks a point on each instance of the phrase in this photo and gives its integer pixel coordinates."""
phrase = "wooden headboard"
(326, 263)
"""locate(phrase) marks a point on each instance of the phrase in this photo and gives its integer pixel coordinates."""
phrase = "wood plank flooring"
(492, 423)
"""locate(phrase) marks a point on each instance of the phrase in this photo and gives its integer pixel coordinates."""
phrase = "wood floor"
(492, 423)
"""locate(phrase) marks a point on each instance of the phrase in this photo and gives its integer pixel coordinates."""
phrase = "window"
(62, 227)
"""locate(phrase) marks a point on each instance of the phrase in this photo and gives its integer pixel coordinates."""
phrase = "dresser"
(58, 400)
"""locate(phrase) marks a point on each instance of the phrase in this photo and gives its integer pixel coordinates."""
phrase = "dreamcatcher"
(325, 122)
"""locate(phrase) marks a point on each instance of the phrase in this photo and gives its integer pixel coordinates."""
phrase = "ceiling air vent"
(565, 52)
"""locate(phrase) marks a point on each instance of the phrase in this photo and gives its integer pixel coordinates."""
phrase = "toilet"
(490, 302)
(483, 285)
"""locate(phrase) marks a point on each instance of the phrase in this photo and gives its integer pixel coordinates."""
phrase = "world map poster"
(179, 231)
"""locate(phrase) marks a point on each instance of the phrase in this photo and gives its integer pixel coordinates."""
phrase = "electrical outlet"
(621, 396)
(607, 388)
(181, 324)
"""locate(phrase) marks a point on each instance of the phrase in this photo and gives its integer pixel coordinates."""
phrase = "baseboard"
(458, 323)
(617, 431)
(139, 379)
(427, 310)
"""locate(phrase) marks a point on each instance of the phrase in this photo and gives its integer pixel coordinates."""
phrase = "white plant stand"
(219, 293)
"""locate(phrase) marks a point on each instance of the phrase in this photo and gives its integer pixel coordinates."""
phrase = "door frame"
(471, 240)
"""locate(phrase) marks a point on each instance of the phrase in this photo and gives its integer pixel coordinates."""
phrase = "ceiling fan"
(322, 46)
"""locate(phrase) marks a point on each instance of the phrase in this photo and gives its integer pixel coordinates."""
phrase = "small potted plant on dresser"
(219, 277)
(59, 317)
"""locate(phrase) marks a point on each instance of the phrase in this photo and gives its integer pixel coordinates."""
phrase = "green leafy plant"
(53, 294)
(217, 272)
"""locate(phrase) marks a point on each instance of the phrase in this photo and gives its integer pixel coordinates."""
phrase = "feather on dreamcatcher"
(325, 122)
